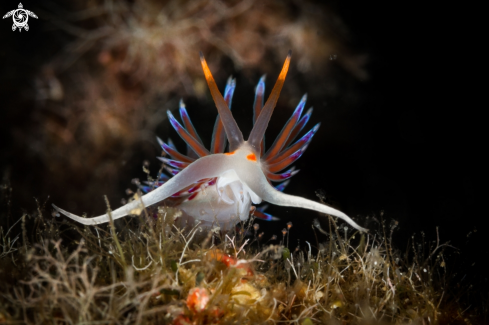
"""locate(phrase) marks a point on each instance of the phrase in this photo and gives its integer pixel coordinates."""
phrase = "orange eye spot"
(230, 153)
(251, 157)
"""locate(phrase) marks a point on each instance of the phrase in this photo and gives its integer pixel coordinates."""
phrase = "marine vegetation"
(146, 270)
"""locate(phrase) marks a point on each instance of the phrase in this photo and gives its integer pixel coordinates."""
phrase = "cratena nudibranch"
(218, 188)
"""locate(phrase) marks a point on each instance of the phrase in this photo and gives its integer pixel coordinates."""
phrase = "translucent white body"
(222, 204)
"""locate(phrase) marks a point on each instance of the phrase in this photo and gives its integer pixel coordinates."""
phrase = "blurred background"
(85, 91)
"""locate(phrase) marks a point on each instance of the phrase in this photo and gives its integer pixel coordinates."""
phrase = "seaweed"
(145, 270)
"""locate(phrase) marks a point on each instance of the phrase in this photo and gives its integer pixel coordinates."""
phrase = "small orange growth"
(251, 157)
(197, 299)
(230, 153)
(218, 255)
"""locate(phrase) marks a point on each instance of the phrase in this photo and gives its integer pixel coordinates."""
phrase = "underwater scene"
(233, 162)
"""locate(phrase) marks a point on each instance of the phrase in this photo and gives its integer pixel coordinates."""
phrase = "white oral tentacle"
(258, 184)
(205, 167)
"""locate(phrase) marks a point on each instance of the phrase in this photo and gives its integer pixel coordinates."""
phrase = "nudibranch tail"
(261, 124)
(234, 135)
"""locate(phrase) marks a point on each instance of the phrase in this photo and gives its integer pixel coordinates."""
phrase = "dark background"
(411, 146)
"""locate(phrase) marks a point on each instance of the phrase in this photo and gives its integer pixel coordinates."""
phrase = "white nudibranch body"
(218, 188)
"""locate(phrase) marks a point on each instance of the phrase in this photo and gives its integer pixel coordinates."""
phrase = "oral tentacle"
(260, 186)
(205, 167)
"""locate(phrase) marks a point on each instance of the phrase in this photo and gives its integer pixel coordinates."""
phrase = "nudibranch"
(218, 188)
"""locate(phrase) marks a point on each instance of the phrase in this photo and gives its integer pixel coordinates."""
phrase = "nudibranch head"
(216, 187)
